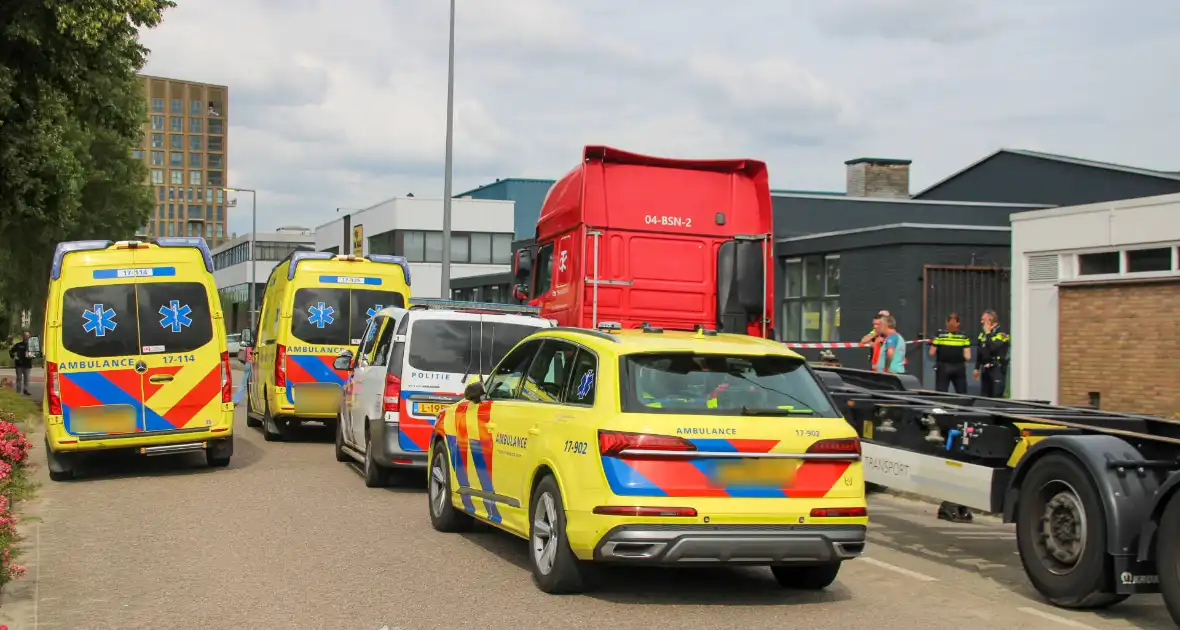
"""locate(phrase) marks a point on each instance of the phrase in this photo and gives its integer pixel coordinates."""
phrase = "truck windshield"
(710, 384)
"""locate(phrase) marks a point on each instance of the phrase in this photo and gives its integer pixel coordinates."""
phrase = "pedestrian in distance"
(891, 358)
(951, 350)
(991, 358)
(22, 362)
(874, 339)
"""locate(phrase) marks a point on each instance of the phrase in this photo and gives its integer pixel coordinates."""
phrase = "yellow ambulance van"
(316, 305)
(135, 353)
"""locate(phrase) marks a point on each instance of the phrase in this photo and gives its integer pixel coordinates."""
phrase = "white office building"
(481, 237)
(1095, 298)
(231, 268)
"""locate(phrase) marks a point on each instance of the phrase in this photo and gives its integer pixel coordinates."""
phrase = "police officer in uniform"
(951, 350)
(991, 359)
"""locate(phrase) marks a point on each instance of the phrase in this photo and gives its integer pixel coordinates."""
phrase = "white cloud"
(343, 103)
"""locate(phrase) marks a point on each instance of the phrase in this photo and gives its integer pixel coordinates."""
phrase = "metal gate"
(968, 291)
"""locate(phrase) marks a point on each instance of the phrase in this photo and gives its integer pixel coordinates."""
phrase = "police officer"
(991, 359)
(951, 350)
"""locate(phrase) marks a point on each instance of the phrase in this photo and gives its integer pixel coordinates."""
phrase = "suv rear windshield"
(710, 384)
(101, 321)
(458, 346)
(337, 317)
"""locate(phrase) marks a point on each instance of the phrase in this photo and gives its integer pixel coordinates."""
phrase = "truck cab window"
(544, 271)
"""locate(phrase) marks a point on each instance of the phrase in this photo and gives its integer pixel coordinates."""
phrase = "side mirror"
(520, 292)
(344, 361)
(247, 337)
(522, 264)
(474, 391)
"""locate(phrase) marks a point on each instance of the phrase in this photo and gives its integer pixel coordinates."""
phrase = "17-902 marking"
(577, 448)
(667, 221)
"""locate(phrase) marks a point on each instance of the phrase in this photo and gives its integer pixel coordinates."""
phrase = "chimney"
(878, 177)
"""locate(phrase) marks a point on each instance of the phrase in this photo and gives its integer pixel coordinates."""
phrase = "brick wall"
(867, 179)
(1123, 342)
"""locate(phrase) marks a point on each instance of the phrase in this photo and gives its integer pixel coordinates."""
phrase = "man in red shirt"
(876, 338)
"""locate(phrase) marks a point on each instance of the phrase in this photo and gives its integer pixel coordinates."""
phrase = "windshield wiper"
(760, 411)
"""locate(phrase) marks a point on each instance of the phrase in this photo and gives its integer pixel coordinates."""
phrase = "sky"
(342, 103)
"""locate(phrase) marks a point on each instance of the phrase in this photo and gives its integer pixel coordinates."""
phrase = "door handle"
(564, 417)
(534, 431)
(160, 378)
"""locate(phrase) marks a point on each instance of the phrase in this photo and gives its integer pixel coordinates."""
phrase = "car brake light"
(227, 385)
(840, 446)
(614, 443)
(392, 398)
(845, 512)
(617, 510)
(54, 380)
(280, 365)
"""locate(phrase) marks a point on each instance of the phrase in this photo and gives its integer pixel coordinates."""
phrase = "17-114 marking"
(667, 221)
(179, 358)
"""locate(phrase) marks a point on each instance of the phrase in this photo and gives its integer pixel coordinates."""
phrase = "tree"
(71, 110)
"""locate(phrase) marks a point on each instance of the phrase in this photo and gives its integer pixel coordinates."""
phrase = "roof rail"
(188, 241)
(296, 257)
(59, 252)
(439, 304)
(393, 260)
(587, 331)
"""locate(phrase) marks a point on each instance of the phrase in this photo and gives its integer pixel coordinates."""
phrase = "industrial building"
(185, 146)
(1095, 300)
(527, 194)
(231, 269)
(481, 237)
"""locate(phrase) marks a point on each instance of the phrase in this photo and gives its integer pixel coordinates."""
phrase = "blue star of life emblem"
(99, 320)
(373, 312)
(320, 315)
(175, 316)
(586, 383)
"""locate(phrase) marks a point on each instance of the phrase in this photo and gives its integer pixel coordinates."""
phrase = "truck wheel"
(556, 570)
(218, 452)
(812, 578)
(443, 515)
(1167, 557)
(59, 464)
(1061, 534)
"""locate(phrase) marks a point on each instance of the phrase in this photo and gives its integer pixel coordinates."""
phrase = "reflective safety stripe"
(952, 339)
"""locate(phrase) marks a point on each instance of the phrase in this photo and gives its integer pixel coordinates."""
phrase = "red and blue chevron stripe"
(311, 368)
(457, 445)
(128, 387)
(413, 434)
(482, 451)
(694, 477)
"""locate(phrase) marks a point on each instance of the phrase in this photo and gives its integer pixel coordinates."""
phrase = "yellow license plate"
(104, 419)
(429, 409)
(317, 399)
(774, 473)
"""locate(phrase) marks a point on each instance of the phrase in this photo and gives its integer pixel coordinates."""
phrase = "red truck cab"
(672, 243)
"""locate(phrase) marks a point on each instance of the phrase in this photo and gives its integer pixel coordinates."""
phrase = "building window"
(171, 211)
(171, 194)
(215, 178)
(215, 142)
(811, 305)
(1147, 260)
(209, 214)
(1100, 263)
(480, 248)
(177, 106)
(157, 123)
(171, 229)
(137, 154)
(194, 125)
(220, 231)
(177, 124)
(208, 195)
(196, 212)
(194, 143)
(220, 213)
(220, 195)
(215, 126)
(176, 142)
(195, 108)
(160, 211)
(502, 249)
(194, 178)
(157, 176)
(157, 141)
(190, 194)
(216, 161)
(214, 108)
(178, 177)
(194, 160)
(160, 193)
(176, 159)
(157, 158)
(157, 105)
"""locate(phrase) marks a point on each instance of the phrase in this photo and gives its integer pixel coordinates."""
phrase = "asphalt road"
(286, 538)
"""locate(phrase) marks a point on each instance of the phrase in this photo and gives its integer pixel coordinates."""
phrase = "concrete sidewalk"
(36, 375)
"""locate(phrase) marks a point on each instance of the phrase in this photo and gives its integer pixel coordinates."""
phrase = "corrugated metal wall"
(968, 291)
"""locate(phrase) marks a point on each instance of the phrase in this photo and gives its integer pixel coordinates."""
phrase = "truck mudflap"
(1128, 492)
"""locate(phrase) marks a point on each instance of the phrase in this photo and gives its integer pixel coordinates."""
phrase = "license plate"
(767, 473)
(110, 419)
(314, 399)
(429, 409)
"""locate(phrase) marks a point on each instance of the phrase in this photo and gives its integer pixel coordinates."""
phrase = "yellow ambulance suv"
(135, 353)
(316, 306)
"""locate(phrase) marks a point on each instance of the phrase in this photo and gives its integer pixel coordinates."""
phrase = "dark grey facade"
(492, 287)
(799, 214)
(1019, 176)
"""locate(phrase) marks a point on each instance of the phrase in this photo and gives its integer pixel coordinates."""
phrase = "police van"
(135, 353)
(409, 365)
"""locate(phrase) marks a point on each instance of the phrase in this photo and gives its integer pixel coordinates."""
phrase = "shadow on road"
(124, 465)
(737, 586)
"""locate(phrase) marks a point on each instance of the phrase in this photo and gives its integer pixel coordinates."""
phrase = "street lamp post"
(253, 231)
(446, 229)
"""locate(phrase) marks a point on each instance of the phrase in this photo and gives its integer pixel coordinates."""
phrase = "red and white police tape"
(842, 344)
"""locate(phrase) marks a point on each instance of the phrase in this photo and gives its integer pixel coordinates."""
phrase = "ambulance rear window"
(99, 321)
(173, 317)
(365, 304)
(320, 316)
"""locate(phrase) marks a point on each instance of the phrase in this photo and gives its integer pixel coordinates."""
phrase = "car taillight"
(227, 385)
(617, 510)
(53, 378)
(614, 443)
(391, 400)
(280, 365)
(839, 446)
(845, 512)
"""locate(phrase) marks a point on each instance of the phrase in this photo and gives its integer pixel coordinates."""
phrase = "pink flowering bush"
(14, 455)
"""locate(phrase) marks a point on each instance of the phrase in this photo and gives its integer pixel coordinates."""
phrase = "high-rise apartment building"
(184, 146)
